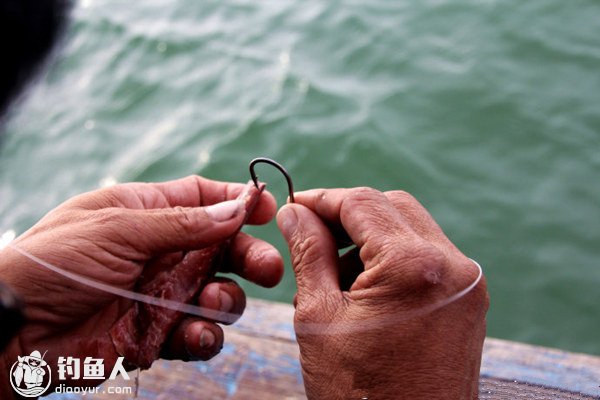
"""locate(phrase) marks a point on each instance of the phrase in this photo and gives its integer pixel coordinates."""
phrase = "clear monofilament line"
(128, 294)
(311, 328)
(385, 321)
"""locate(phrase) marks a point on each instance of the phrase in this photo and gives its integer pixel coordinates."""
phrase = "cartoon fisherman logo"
(30, 375)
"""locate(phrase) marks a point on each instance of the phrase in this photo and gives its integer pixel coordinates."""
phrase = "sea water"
(487, 111)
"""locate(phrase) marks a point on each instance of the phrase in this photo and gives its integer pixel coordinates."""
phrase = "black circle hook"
(276, 165)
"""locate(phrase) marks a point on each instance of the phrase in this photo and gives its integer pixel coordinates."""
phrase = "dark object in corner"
(11, 315)
(28, 30)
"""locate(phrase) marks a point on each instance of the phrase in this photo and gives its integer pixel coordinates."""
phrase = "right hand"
(364, 321)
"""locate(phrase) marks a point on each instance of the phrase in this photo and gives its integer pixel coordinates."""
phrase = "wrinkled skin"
(357, 316)
(112, 235)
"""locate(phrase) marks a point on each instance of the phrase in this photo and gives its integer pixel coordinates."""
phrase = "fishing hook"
(276, 165)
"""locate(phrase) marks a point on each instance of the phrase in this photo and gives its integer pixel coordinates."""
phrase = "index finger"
(364, 213)
(196, 191)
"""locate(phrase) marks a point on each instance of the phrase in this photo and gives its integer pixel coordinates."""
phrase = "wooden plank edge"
(502, 359)
(543, 366)
(261, 354)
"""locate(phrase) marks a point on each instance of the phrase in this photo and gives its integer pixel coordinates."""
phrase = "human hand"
(111, 236)
(367, 322)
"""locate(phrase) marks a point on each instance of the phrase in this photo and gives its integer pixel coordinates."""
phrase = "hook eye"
(276, 165)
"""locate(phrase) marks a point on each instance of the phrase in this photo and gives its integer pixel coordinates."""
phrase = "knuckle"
(364, 193)
(374, 212)
(108, 217)
(183, 220)
(192, 178)
(181, 224)
(199, 182)
(381, 251)
(401, 196)
(115, 225)
(320, 194)
(407, 203)
(433, 266)
(418, 271)
(112, 196)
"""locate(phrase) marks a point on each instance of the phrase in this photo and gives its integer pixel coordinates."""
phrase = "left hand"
(111, 235)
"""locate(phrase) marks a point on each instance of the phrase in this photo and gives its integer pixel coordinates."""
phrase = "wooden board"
(521, 365)
(260, 361)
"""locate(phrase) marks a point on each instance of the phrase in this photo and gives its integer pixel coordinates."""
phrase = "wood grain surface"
(260, 361)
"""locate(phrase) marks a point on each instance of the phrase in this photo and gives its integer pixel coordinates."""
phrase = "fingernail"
(307, 193)
(224, 211)
(289, 222)
(207, 338)
(225, 301)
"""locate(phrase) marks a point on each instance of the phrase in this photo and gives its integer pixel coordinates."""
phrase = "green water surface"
(487, 111)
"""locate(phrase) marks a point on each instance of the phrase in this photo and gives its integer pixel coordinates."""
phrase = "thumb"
(312, 248)
(182, 228)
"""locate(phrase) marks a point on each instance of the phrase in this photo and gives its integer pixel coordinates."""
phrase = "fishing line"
(300, 327)
(382, 321)
(312, 328)
(128, 294)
